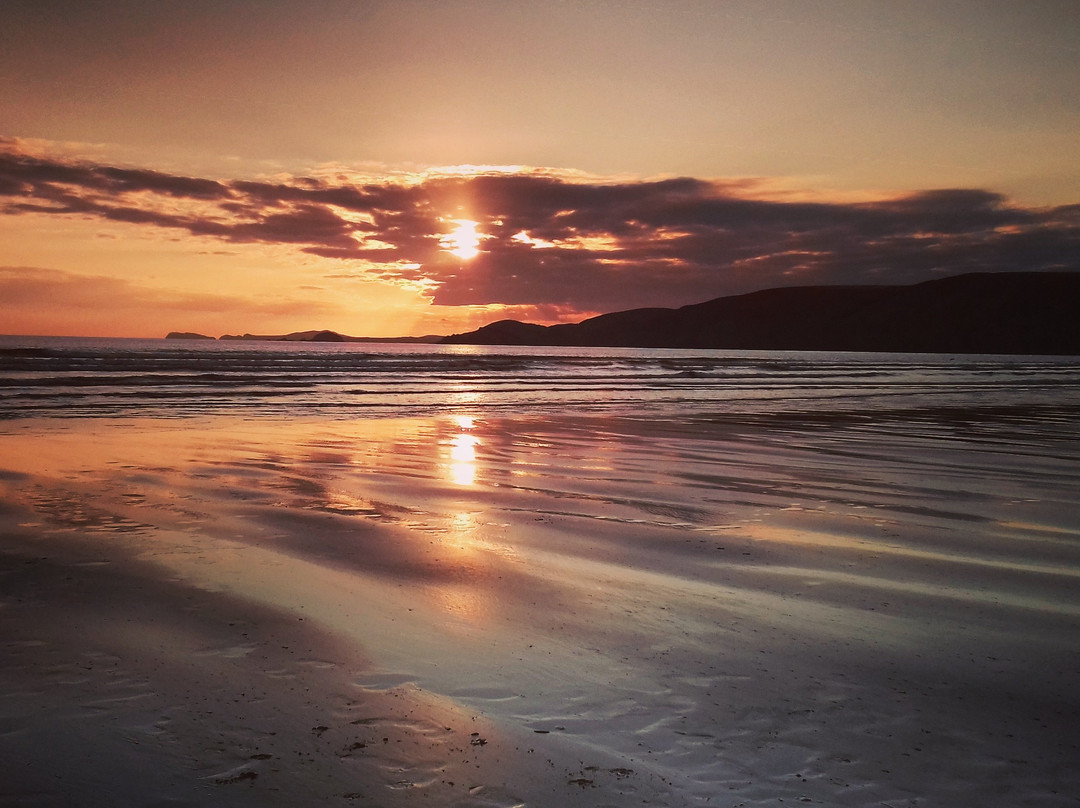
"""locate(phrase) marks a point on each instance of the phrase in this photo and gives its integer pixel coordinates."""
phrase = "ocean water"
(70, 377)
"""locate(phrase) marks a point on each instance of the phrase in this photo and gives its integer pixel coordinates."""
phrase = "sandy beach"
(539, 610)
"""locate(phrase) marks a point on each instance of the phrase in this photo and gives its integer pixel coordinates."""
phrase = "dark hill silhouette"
(296, 336)
(1006, 312)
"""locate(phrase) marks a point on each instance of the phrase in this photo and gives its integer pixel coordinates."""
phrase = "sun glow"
(463, 241)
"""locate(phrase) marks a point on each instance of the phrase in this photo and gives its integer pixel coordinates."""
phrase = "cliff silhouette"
(1005, 312)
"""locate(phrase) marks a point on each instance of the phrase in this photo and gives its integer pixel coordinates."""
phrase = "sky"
(421, 167)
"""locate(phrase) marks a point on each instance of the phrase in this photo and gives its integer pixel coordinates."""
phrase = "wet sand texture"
(538, 611)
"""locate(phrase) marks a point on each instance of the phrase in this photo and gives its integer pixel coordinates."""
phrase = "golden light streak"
(463, 241)
(522, 237)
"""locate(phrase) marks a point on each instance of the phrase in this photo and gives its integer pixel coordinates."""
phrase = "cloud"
(562, 240)
(27, 173)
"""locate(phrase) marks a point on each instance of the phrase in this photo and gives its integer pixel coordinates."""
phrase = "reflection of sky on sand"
(463, 550)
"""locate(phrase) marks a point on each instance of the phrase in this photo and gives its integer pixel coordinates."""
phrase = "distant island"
(1004, 312)
(304, 336)
(982, 312)
(185, 335)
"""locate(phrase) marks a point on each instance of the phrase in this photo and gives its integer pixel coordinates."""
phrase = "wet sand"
(542, 611)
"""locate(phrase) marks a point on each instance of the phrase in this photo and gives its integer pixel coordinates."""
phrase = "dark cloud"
(565, 243)
(303, 224)
(26, 174)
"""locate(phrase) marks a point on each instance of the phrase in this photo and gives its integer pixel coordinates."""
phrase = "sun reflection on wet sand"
(462, 465)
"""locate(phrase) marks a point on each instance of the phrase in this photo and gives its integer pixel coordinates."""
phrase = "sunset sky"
(404, 168)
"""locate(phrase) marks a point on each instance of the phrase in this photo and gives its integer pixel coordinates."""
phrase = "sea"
(80, 377)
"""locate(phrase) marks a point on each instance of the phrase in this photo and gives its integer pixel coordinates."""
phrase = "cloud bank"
(559, 241)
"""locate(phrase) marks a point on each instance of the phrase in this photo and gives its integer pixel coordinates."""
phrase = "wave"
(52, 377)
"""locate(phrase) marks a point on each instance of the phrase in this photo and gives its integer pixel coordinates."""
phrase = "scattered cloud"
(560, 242)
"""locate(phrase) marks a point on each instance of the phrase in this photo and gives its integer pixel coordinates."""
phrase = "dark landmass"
(185, 335)
(1005, 312)
(296, 336)
(305, 336)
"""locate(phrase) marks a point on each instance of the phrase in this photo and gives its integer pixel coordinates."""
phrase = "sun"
(463, 241)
